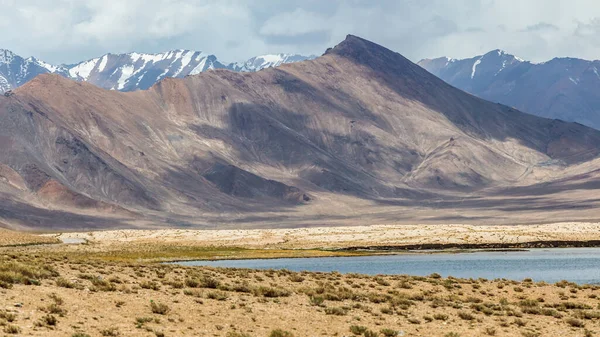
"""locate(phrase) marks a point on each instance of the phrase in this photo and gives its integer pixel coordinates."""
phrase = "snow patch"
(186, 58)
(126, 72)
(574, 80)
(83, 69)
(6, 56)
(199, 68)
(103, 63)
(475, 67)
(503, 67)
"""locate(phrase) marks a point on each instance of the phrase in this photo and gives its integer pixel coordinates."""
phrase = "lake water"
(581, 265)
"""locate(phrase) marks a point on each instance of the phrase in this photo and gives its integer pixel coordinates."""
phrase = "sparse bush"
(280, 333)
(296, 278)
(530, 334)
(8, 316)
(336, 311)
(56, 309)
(64, 283)
(271, 292)
(317, 300)
(413, 320)
(209, 282)
(192, 283)
(49, 320)
(382, 282)
(389, 332)
(236, 334)
(490, 331)
(574, 322)
(466, 316)
(150, 285)
(371, 333)
(101, 284)
(12, 329)
(519, 322)
(358, 330)
(452, 334)
(217, 295)
(110, 332)
(159, 308)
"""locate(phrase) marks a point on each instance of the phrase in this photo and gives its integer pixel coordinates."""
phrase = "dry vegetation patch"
(10, 238)
(58, 295)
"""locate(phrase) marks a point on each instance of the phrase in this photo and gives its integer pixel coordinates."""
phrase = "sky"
(67, 31)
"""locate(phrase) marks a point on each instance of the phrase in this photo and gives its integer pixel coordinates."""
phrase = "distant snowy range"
(131, 71)
(562, 88)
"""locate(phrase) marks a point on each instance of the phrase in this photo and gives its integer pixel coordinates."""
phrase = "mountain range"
(359, 135)
(562, 88)
(129, 72)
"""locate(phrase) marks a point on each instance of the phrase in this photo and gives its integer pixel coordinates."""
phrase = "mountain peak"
(502, 54)
(351, 45)
(369, 53)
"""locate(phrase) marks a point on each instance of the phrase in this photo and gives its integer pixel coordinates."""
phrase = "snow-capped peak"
(503, 54)
(131, 71)
(51, 68)
(83, 69)
(6, 56)
(267, 61)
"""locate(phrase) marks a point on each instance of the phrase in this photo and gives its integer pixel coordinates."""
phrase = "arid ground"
(113, 285)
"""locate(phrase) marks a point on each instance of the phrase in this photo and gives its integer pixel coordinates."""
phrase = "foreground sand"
(55, 294)
(354, 236)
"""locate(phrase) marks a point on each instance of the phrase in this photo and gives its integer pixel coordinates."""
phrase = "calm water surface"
(581, 265)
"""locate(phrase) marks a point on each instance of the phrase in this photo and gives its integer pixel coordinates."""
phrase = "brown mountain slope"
(358, 135)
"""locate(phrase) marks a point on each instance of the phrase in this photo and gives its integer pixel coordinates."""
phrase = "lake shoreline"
(480, 246)
(550, 265)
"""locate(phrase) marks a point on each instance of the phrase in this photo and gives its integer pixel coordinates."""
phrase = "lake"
(581, 265)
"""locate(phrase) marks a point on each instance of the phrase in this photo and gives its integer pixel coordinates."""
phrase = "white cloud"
(297, 22)
(71, 30)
